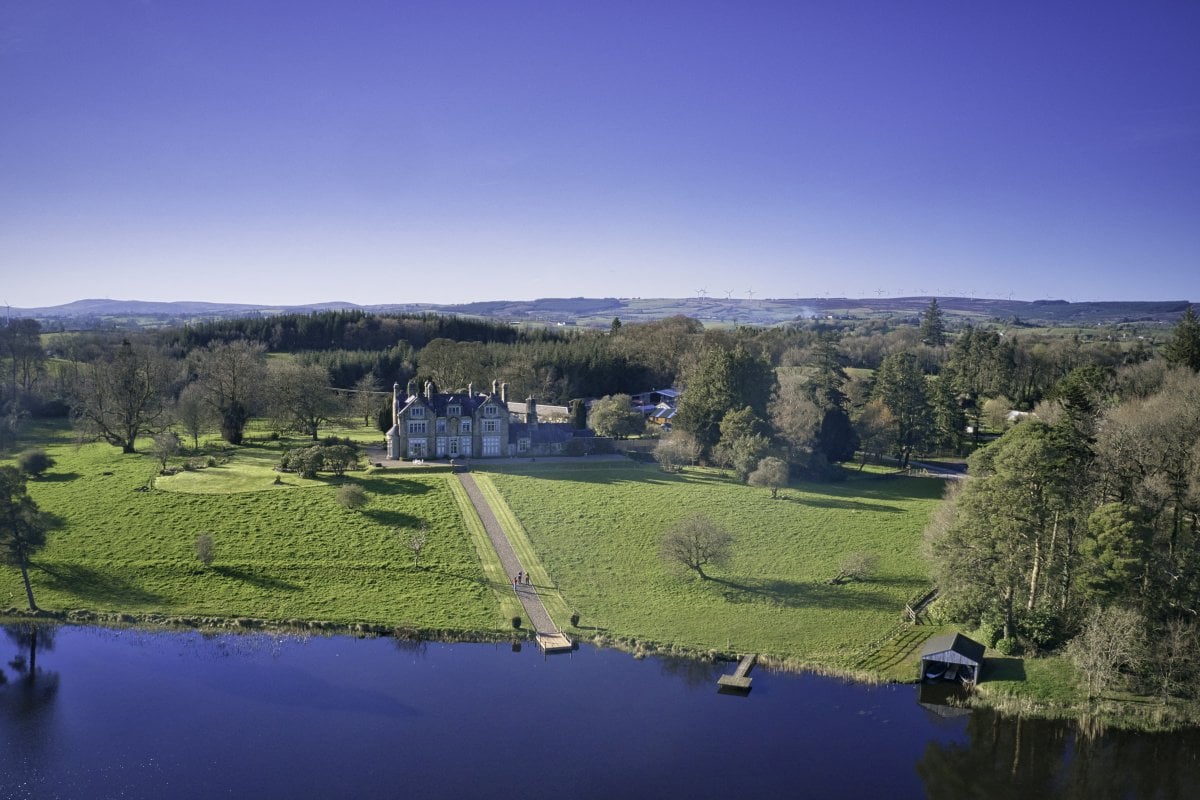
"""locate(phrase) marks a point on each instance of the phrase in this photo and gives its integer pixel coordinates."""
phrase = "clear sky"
(392, 151)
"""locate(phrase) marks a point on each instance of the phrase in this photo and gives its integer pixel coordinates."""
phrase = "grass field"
(596, 528)
(287, 552)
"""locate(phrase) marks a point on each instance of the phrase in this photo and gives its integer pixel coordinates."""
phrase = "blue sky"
(393, 151)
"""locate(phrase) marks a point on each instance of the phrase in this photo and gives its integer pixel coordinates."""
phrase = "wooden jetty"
(740, 679)
(554, 642)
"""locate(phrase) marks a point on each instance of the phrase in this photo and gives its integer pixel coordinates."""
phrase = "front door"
(453, 446)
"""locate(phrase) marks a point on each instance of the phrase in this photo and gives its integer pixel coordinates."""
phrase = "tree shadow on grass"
(255, 578)
(841, 503)
(94, 585)
(393, 519)
(58, 477)
(798, 594)
(392, 486)
(1002, 668)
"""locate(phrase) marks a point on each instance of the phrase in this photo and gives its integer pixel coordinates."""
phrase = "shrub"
(575, 620)
(211, 462)
(344, 441)
(205, 549)
(34, 462)
(352, 496)
(305, 461)
(1008, 647)
(516, 622)
(340, 457)
(1040, 628)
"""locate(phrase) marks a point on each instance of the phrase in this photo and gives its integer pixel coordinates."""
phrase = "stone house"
(468, 424)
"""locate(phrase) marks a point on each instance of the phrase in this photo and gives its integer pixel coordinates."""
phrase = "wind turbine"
(728, 294)
(701, 293)
(750, 293)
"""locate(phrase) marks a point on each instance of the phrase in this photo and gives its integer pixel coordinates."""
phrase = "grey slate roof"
(956, 642)
(544, 433)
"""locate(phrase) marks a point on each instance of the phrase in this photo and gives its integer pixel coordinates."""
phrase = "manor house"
(468, 424)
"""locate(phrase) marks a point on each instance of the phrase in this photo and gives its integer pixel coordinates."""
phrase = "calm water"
(177, 715)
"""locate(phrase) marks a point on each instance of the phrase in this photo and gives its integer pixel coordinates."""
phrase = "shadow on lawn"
(58, 477)
(841, 503)
(394, 519)
(94, 585)
(255, 578)
(797, 594)
(1003, 668)
(391, 486)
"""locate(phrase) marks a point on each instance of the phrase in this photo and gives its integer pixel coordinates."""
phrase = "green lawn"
(282, 552)
(596, 528)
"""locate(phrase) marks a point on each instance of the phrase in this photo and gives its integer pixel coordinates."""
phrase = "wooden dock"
(740, 679)
(554, 642)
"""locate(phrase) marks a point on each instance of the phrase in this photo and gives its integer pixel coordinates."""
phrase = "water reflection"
(1005, 757)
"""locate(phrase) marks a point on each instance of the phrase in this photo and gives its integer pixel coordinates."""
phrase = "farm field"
(596, 528)
(283, 552)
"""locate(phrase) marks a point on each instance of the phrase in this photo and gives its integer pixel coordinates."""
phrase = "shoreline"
(1092, 718)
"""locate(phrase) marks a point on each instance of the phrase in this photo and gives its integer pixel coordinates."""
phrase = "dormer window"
(489, 410)
(454, 410)
(416, 412)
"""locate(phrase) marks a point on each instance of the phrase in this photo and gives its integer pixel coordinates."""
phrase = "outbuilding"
(951, 656)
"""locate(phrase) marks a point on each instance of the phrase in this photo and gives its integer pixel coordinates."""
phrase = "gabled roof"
(440, 401)
(544, 433)
(953, 643)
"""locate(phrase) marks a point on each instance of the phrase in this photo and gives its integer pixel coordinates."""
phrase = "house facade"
(468, 424)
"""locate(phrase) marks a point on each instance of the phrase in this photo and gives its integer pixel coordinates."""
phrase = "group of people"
(522, 577)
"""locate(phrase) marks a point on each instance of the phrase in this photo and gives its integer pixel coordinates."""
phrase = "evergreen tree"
(933, 325)
(900, 384)
(22, 526)
(723, 380)
(1184, 346)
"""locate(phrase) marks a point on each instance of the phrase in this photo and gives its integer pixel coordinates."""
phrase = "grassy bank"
(283, 552)
(597, 527)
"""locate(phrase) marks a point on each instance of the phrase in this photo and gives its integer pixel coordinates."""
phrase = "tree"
(578, 414)
(675, 450)
(1183, 348)
(304, 461)
(34, 462)
(1114, 552)
(416, 543)
(193, 413)
(352, 496)
(22, 526)
(796, 420)
(933, 325)
(615, 416)
(900, 384)
(857, 566)
(164, 447)
(232, 375)
(339, 457)
(995, 412)
(123, 395)
(723, 380)
(696, 543)
(1111, 640)
(876, 429)
(771, 473)
(300, 397)
(837, 439)
(205, 549)
(366, 399)
(21, 346)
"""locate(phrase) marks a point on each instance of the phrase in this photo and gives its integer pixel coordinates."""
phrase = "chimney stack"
(504, 393)
(531, 412)
(412, 388)
(429, 390)
(495, 387)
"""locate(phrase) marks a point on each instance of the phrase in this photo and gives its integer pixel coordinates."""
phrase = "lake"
(105, 713)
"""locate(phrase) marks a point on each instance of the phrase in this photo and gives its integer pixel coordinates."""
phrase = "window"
(491, 445)
(464, 446)
(522, 445)
(416, 427)
(416, 412)
(464, 426)
(454, 410)
(490, 410)
(491, 425)
(441, 426)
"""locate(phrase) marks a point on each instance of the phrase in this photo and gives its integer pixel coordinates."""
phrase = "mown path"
(542, 623)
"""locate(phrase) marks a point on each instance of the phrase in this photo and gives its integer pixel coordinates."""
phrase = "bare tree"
(857, 566)
(123, 396)
(1111, 640)
(205, 549)
(695, 543)
(366, 399)
(164, 448)
(193, 413)
(416, 542)
(676, 450)
(231, 375)
(300, 398)
(771, 473)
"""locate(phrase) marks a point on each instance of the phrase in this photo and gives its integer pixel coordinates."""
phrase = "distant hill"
(599, 312)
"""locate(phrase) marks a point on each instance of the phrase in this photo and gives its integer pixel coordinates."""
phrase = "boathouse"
(953, 655)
